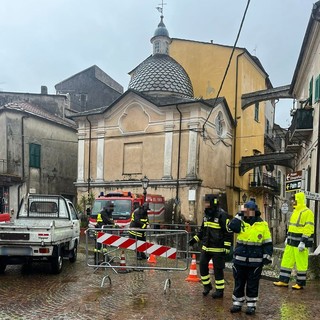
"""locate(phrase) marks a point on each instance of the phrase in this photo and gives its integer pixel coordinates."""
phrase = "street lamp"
(145, 183)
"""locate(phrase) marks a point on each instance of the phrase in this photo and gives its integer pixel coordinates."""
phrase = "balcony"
(263, 183)
(300, 129)
(268, 144)
(8, 173)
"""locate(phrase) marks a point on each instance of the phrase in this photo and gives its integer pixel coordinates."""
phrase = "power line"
(227, 69)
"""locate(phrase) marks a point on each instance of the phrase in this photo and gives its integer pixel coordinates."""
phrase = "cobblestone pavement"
(76, 293)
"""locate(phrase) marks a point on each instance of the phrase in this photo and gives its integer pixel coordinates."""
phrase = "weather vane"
(160, 8)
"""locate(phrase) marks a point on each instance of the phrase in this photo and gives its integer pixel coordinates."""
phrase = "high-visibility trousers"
(292, 256)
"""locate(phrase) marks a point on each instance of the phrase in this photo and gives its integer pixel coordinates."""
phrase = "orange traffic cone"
(193, 270)
(211, 267)
(152, 259)
(123, 266)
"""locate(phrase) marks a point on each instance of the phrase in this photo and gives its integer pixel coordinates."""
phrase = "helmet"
(251, 205)
(213, 199)
(145, 206)
(109, 205)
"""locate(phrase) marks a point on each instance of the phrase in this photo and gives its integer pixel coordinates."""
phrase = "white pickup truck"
(46, 228)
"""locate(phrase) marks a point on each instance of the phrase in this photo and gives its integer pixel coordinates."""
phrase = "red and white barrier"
(4, 217)
(133, 244)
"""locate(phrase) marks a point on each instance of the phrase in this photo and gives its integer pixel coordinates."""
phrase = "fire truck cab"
(125, 203)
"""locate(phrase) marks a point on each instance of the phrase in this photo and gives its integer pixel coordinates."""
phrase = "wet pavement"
(76, 293)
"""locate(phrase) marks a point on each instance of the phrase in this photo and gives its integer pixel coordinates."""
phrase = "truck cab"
(125, 203)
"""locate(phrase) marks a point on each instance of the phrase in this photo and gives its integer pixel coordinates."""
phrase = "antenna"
(160, 8)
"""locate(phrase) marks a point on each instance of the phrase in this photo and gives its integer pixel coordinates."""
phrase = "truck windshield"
(122, 208)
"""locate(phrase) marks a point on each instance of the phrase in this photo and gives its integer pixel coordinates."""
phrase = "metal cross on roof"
(160, 8)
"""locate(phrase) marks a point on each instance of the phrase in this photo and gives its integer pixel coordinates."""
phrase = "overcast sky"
(46, 41)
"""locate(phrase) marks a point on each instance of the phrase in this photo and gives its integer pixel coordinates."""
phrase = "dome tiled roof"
(160, 73)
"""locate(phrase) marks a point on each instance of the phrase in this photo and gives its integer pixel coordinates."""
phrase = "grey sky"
(45, 41)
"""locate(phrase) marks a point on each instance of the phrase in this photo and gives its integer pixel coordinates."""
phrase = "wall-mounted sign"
(293, 181)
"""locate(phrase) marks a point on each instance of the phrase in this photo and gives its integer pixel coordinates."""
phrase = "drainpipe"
(89, 158)
(316, 206)
(236, 125)
(22, 159)
(178, 167)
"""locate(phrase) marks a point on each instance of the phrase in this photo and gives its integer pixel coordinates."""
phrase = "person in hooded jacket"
(104, 219)
(253, 250)
(299, 239)
(140, 220)
(216, 243)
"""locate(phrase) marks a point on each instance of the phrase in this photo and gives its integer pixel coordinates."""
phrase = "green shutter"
(34, 155)
(316, 90)
(310, 91)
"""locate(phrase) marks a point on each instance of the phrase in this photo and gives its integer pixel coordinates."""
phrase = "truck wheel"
(2, 267)
(57, 264)
(27, 267)
(74, 253)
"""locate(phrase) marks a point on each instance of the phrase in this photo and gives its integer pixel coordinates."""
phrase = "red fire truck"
(125, 203)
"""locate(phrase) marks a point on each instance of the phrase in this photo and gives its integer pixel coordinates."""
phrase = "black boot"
(235, 309)
(250, 311)
(218, 294)
(206, 289)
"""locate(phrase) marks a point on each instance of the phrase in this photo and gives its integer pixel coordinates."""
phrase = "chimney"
(44, 90)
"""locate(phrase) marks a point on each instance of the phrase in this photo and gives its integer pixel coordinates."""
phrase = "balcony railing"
(264, 181)
(9, 167)
(300, 129)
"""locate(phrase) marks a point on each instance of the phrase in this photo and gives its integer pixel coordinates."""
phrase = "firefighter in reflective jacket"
(253, 250)
(216, 243)
(299, 238)
(104, 219)
(139, 220)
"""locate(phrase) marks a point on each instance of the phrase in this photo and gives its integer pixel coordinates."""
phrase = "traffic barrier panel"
(193, 277)
(166, 249)
(4, 217)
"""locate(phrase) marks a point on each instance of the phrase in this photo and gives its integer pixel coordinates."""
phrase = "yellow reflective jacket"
(301, 224)
(254, 244)
(139, 220)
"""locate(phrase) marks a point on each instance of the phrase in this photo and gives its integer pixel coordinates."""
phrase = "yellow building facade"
(206, 65)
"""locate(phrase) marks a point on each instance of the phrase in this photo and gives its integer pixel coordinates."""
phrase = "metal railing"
(164, 249)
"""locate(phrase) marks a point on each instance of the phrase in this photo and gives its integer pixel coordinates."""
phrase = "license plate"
(14, 236)
(16, 251)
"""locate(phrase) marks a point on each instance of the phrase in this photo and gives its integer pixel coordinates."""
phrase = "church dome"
(161, 74)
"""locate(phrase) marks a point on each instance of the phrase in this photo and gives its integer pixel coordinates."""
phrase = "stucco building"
(155, 129)
(89, 89)
(303, 134)
(206, 65)
(38, 153)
